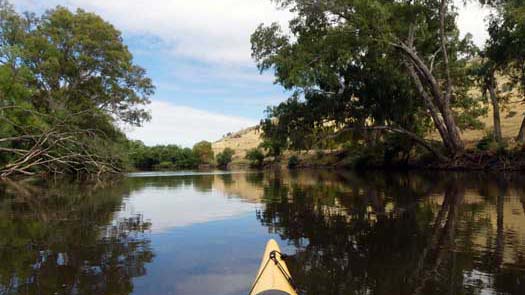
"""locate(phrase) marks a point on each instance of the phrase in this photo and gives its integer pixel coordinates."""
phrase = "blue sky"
(198, 54)
(227, 88)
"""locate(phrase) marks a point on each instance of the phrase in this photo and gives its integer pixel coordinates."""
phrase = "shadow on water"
(379, 233)
(424, 233)
(65, 239)
(350, 233)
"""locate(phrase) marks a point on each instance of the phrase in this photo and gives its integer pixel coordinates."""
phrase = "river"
(198, 233)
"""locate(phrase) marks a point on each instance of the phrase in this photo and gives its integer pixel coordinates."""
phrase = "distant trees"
(161, 157)
(225, 157)
(66, 79)
(256, 157)
(204, 152)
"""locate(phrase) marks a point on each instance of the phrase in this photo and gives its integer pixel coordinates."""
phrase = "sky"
(198, 54)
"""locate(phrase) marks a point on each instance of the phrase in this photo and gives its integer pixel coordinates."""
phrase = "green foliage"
(345, 74)
(485, 143)
(505, 48)
(256, 157)
(293, 162)
(203, 150)
(489, 143)
(225, 157)
(161, 157)
(273, 142)
(81, 215)
(66, 81)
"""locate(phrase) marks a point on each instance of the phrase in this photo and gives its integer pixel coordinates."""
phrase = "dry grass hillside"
(510, 125)
(240, 142)
(249, 138)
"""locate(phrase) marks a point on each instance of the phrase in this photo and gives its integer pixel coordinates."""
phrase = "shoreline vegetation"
(374, 84)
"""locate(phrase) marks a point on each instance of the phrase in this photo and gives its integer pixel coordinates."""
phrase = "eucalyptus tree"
(389, 65)
(485, 72)
(506, 45)
(67, 81)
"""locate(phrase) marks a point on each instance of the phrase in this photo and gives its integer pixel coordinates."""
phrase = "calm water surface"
(202, 233)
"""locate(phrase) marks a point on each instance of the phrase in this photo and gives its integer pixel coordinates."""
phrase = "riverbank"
(502, 160)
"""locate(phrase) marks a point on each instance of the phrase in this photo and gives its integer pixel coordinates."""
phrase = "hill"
(240, 141)
(511, 117)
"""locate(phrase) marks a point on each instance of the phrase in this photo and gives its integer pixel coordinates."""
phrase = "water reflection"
(402, 234)
(63, 239)
(350, 233)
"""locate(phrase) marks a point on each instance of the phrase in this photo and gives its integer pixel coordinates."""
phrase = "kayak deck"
(273, 275)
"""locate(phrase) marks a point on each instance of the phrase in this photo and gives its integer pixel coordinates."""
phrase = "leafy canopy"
(345, 74)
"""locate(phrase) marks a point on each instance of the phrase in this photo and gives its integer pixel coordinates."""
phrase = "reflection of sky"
(204, 242)
(182, 173)
(217, 258)
(167, 208)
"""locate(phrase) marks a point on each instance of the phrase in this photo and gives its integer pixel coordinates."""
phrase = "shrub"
(166, 165)
(256, 157)
(203, 151)
(319, 154)
(225, 157)
(293, 162)
(488, 142)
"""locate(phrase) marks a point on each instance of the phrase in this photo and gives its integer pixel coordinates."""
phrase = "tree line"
(389, 73)
(166, 157)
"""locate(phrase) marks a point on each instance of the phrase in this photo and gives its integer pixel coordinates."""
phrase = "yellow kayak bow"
(273, 277)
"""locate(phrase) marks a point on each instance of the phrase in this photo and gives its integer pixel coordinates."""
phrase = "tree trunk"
(448, 117)
(495, 110)
(500, 234)
(453, 131)
(436, 98)
(434, 111)
(414, 137)
(521, 134)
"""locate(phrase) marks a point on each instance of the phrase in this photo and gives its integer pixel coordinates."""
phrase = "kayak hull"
(270, 279)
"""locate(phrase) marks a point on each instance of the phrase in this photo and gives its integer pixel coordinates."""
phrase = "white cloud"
(210, 30)
(173, 124)
(472, 19)
(182, 207)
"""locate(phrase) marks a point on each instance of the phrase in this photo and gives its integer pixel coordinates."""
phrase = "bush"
(143, 157)
(489, 143)
(256, 157)
(225, 157)
(203, 151)
(319, 154)
(485, 143)
(293, 162)
(166, 165)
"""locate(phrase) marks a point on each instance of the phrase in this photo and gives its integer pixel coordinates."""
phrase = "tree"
(203, 150)
(505, 47)
(225, 157)
(343, 65)
(486, 73)
(256, 157)
(66, 80)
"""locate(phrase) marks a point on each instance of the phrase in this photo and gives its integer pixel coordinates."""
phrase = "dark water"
(349, 233)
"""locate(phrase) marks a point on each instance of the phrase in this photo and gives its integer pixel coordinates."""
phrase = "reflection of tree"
(386, 234)
(227, 179)
(441, 241)
(61, 240)
(343, 247)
